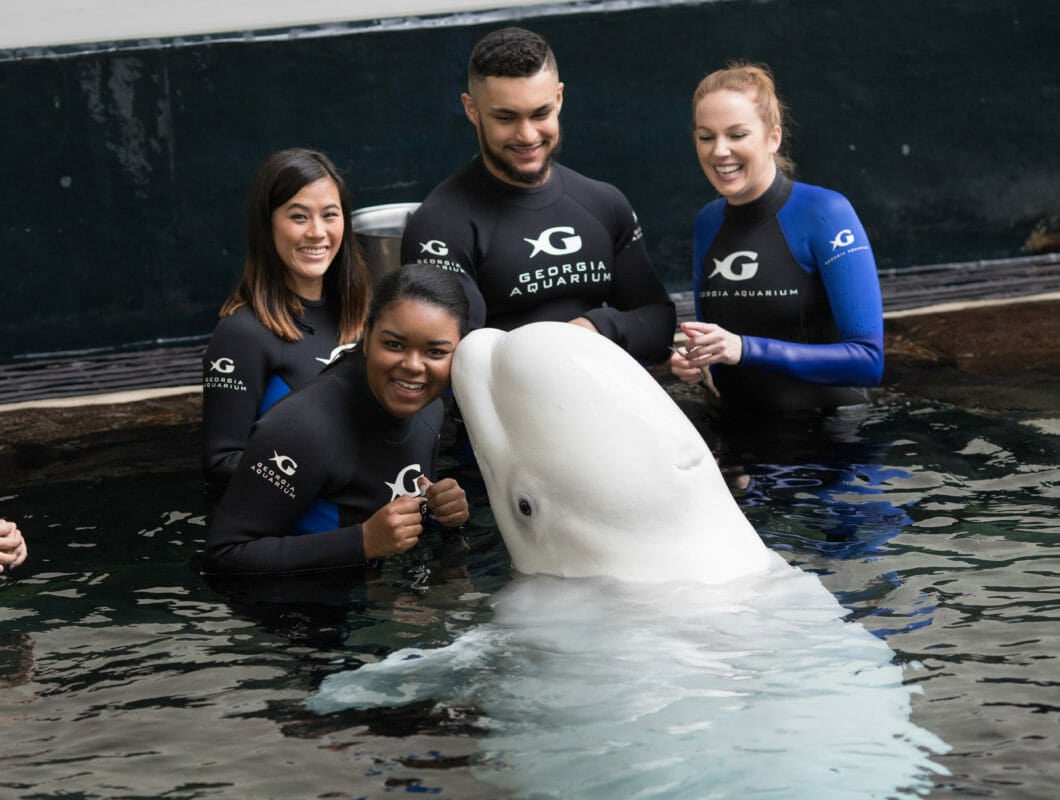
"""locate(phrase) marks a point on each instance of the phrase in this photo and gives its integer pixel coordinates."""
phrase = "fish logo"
(435, 247)
(342, 348)
(572, 243)
(284, 464)
(399, 487)
(224, 365)
(842, 239)
(729, 269)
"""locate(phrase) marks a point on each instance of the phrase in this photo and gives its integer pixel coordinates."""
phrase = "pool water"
(127, 674)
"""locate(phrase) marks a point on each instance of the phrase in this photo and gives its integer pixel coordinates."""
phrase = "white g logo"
(434, 247)
(284, 464)
(842, 239)
(399, 487)
(571, 243)
(729, 270)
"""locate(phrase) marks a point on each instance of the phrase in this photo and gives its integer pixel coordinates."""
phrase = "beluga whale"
(650, 644)
(590, 467)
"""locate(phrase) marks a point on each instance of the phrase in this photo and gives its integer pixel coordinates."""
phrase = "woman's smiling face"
(734, 146)
(307, 231)
(409, 352)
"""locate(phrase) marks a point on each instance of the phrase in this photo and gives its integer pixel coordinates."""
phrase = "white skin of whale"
(687, 660)
(590, 467)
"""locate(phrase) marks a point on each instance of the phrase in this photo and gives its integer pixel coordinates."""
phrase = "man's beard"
(510, 172)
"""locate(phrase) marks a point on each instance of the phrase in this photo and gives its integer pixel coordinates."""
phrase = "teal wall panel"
(124, 166)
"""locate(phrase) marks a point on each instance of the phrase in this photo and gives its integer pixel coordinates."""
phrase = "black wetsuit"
(794, 274)
(570, 248)
(316, 466)
(245, 370)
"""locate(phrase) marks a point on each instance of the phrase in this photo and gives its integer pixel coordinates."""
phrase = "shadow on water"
(126, 673)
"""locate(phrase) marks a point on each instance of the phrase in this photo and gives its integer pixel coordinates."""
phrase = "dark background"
(124, 166)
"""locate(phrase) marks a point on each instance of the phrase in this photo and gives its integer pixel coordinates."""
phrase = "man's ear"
(470, 109)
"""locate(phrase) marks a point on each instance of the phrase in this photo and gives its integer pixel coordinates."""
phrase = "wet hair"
(263, 286)
(757, 81)
(510, 53)
(423, 283)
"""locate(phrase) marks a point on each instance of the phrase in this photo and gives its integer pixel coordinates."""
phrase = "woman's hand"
(446, 501)
(394, 528)
(13, 550)
(683, 369)
(709, 344)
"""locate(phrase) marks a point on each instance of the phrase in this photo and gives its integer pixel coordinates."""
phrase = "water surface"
(126, 674)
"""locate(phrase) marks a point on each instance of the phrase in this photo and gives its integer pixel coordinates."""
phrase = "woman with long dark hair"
(304, 292)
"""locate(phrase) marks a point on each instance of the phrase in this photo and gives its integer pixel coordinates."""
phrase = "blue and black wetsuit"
(793, 272)
(245, 370)
(569, 248)
(317, 466)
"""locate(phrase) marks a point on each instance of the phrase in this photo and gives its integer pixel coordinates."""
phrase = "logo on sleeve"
(284, 464)
(435, 247)
(638, 232)
(844, 238)
(219, 376)
(739, 266)
(277, 477)
(404, 484)
(570, 243)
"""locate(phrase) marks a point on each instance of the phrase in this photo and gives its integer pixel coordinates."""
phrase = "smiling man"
(540, 241)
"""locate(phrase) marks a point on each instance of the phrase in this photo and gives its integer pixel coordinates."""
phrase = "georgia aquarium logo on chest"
(569, 242)
(739, 266)
(406, 483)
(561, 240)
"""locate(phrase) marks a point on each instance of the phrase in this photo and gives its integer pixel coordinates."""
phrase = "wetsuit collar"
(307, 307)
(350, 367)
(525, 196)
(764, 207)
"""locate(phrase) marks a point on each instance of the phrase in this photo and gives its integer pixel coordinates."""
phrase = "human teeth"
(408, 387)
(728, 169)
(315, 251)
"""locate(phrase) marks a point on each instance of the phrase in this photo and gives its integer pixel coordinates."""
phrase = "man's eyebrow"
(505, 110)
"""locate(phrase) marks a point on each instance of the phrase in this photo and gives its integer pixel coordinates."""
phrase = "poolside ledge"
(980, 334)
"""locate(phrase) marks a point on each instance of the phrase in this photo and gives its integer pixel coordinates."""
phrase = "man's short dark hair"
(510, 53)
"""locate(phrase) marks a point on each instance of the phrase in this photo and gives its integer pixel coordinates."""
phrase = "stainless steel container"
(378, 231)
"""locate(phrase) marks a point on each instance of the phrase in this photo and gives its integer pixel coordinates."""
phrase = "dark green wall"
(124, 168)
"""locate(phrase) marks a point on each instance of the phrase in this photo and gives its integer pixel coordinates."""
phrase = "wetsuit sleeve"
(839, 247)
(235, 372)
(437, 235)
(640, 316)
(283, 470)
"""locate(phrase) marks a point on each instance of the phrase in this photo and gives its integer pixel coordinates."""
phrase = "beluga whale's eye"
(524, 508)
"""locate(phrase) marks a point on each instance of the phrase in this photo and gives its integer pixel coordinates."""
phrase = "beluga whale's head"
(590, 467)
